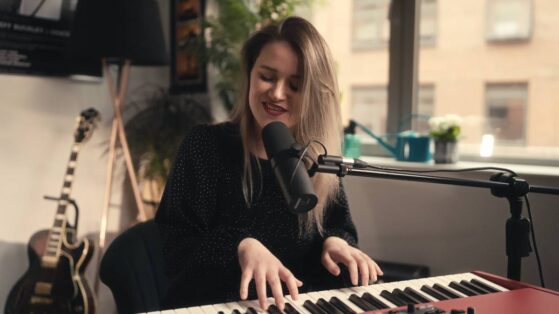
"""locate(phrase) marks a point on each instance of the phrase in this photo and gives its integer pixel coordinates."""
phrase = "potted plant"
(159, 122)
(445, 131)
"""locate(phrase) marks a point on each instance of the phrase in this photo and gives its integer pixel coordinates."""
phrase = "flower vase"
(446, 152)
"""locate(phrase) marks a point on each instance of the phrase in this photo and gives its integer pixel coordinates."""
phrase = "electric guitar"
(54, 282)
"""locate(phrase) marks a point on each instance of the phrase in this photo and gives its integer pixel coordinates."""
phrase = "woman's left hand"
(336, 250)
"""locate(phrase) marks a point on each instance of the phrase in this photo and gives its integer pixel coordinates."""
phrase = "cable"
(445, 170)
(533, 233)
(303, 154)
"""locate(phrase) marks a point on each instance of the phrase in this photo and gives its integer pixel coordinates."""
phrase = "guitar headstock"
(87, 121)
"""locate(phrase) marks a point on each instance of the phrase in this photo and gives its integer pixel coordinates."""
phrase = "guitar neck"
(60, 225)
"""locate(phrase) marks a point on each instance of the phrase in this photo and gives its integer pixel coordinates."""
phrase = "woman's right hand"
(258, 262)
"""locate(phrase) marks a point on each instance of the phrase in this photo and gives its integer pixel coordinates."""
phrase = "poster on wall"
(34, 35)
(188, 70)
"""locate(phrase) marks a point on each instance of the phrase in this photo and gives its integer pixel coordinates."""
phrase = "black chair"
(133, 268)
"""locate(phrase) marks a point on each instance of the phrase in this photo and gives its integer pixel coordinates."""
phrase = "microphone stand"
(502, 185)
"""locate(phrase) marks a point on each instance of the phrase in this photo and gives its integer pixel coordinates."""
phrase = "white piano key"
(221, 308)
(195, 310)
(208, 309)
(168, 312)
(183, 310)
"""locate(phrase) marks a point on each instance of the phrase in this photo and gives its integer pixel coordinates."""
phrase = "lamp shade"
(117, 30)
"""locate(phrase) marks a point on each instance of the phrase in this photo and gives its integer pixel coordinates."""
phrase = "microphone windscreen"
(276, 137)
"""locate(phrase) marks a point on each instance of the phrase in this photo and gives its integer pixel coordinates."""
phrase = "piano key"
(434, 293)
(485, 285)
(471, 276)
(474, 287)
(221, 308)
(465, 290)
(290, 309)
(326, 306)
(183, 310)
(392, 298)
(313, 308)
(446, 291)
(362, 304)
(273, 309)
(208, 309)
(376, 290)
(343, 296)
(167, 312)
(195, 310)
(416, 294)
(374, 301)
(344, 308)
(299, 304)
(405, 296)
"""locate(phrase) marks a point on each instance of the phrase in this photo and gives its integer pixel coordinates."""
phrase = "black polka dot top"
(203, 216)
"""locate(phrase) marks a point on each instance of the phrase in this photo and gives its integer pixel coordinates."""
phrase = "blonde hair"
(318, 115)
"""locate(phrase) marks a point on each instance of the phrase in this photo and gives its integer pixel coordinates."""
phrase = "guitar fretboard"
(58, 231)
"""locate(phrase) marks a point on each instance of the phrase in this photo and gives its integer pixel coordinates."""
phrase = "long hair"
(318, 115)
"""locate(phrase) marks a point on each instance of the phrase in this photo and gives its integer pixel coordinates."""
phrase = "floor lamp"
(120, 33)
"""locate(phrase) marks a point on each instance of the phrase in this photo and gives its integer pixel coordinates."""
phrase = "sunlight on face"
(275, 82)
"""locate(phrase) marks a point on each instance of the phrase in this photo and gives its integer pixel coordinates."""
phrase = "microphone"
(293, 180)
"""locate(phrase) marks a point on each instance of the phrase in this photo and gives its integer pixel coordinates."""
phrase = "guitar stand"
(74, 204)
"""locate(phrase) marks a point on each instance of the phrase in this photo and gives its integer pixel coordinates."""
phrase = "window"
(506, 112)
(509, 19)
(371, 27)
(428, 23)
(425, 108)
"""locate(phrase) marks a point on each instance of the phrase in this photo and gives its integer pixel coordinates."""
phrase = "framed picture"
(188, 69)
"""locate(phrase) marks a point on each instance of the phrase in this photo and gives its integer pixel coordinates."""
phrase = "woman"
(222, 215)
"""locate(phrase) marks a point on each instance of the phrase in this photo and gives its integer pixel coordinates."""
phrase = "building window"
(371, 26)
(509, 20)
(428, 23)
(506, 112)
(369, 106)
(425, 108)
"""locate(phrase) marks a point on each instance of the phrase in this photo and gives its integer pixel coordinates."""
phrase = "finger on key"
(246, 277)
(277, 291)
(291, 282)
(260, 281)
(353, 274)
(363, 269)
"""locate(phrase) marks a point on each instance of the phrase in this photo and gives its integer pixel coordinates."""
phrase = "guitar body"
(67, 290)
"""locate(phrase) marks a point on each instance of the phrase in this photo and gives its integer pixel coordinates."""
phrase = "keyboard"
(472, 292)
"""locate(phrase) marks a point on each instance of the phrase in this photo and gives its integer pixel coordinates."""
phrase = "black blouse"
(203, 217)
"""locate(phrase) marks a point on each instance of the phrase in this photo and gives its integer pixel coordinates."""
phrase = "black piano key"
(344, 308)
(483, 285)
(465, 290)
(272, 309)
(326, 306)
(374, 301)
(392, 298)
(405, 297)
(235, 311)
(251, 310)
(362, 304)
(416, 295)
(434, 293)
(445, 291)
(313, 308)
(289, 309)
(220, 312)
(474, 287)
